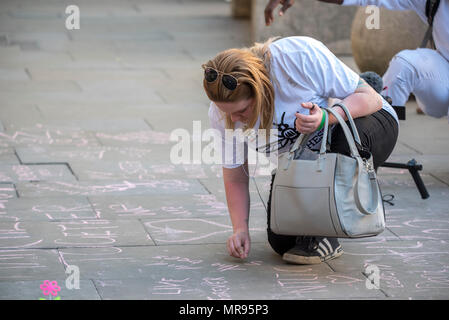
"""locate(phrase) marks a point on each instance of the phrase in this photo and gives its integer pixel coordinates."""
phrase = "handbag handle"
(349, 137)
(351, 122)
(360, 165)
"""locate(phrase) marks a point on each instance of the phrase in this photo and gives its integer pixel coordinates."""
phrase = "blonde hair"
(251, 66)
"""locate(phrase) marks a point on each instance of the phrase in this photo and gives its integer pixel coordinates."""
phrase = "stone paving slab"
(161, 117)
(30, 264)
(38, 86)
(12, 115)
(200, 230)
(40, 134)
(431, 163)
(30, 290)
(138, 207)
(99, 125)
(401, 178)
(48, 101)
(22, 58)
(141, 170)
(41, 172)
(80, 233)
(173, 273)
(443, 177)
(7, 191)
(133, 138)
(85, 76)
(88, 154)
(407, 268)
(14, 74)
(111, 188)
(8, 156)
(49, 209)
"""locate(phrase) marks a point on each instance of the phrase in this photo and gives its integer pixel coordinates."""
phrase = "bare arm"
(236, 184)
(364, 101)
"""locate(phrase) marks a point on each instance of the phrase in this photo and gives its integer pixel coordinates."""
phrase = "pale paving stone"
(40, 134)
(443, 177)
(49, 209)
(141, 170)
(138, 207)
(84, 76)
(112, 188)
(100, 125)
(26, 58)
(79, 233)
(134, 138)
(164, 206)
(30, 264)
(420, 140)
(187, 272)
(200, 230)
(8, 156)
(30, 290)
(13, 74)
(86, 99)
(91, 154)
(407, 268)
(390, 177)
(12, 114)
(433, 163)
(16, 173)
(38, 86)
(7, 191)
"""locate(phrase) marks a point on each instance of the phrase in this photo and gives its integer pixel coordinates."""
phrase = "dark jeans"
(378, 134)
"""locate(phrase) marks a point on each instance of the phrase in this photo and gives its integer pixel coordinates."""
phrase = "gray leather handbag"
(327, 194)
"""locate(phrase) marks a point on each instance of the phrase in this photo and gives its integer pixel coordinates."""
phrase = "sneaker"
(313, 250)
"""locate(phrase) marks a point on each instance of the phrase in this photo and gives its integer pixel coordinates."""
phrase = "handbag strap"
(349, 138)
(360, 166)
(351, 122)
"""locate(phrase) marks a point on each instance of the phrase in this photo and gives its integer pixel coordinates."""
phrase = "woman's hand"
(239, 244)
(271, 5)
(309, 123)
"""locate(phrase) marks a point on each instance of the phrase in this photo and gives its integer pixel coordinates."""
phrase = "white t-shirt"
(440, 29)
(302, 69)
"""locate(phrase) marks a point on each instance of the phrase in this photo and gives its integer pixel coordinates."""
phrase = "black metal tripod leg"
(419, 183)
(413, 167)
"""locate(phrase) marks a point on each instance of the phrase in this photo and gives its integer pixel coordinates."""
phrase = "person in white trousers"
(423, 72)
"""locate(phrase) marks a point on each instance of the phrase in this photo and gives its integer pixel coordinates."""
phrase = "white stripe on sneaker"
(328, 244)
(320, 252)
(322, 246)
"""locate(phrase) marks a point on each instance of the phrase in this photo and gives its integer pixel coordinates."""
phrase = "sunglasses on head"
(229, 81)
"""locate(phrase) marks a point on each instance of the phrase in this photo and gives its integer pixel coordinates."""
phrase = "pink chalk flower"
(50, 287)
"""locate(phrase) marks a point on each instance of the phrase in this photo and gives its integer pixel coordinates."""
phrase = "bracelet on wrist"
(323, 118)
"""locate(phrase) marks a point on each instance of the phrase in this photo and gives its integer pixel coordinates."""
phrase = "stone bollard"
(241, 9)
(326, 22)
(374, 48)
